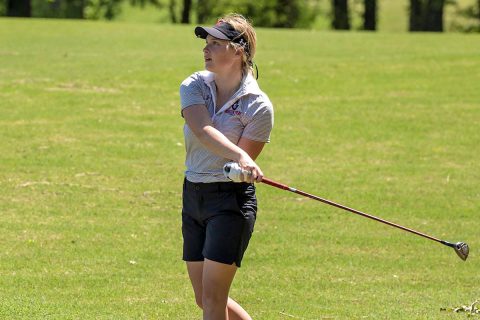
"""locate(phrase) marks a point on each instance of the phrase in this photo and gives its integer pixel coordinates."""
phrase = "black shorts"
(217, 220)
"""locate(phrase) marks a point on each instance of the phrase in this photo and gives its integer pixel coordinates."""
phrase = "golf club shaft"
(285, 187)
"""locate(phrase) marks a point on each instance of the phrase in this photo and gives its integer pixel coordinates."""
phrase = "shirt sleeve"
(261, 124)
(191, 91)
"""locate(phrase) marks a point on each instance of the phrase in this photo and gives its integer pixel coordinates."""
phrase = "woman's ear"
(239, 52)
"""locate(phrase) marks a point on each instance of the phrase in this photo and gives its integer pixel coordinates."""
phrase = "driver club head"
(462, 250)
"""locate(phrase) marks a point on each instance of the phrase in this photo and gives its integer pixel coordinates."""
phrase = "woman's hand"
(252, 172)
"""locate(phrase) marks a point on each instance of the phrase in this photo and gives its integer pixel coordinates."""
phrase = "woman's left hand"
(251, 172)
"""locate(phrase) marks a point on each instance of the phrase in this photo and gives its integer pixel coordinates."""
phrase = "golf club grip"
(311, 196)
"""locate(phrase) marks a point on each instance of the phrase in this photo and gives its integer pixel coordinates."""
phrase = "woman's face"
(219, 56)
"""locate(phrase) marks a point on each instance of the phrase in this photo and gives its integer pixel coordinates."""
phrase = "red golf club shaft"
(285, 187)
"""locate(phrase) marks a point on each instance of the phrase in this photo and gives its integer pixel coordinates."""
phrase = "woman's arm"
(252, 147)
(199, 121)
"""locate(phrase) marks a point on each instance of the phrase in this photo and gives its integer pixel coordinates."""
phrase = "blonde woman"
(227, 118)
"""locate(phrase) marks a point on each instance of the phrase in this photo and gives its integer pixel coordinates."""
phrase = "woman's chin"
(208, 67)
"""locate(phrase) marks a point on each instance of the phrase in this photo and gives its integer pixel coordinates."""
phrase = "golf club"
(232, 170)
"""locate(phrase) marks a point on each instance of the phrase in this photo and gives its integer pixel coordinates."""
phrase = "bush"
(266, 13)
(469, 18)
(3, 7)
(75, 9)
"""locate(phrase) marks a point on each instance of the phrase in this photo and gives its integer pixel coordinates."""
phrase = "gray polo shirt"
(248, 113)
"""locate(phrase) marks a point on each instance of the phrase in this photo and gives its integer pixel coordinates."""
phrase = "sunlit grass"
(91, 168)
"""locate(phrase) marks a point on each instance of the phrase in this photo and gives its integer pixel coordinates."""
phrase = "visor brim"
(203, 32)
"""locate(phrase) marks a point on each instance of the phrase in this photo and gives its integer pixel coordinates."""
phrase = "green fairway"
(91, 168)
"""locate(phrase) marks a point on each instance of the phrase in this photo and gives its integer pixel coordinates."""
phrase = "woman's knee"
(212, 299)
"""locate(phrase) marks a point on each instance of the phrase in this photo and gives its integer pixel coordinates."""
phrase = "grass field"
(91, 167)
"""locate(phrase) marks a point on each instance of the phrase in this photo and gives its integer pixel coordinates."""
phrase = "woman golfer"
(227, 118)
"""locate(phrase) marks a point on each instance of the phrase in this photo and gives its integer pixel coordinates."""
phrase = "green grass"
(92, 155)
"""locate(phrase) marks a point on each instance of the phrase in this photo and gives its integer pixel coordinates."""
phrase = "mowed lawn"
(91, 165)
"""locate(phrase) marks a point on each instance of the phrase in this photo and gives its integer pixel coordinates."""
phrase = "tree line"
(424, 15)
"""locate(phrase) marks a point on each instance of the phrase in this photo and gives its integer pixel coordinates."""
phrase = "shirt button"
(197, 188)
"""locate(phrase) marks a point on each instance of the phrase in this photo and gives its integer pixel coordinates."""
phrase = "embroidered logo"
(233, 109)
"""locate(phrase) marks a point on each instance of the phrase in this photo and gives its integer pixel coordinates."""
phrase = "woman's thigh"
(210, 278)
(217, 278)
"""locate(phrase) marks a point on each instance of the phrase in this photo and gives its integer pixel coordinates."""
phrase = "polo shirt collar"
(248, 86)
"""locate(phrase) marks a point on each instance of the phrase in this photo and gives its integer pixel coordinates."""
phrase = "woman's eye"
(213, 42)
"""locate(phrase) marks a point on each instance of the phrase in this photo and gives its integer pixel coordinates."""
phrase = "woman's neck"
(227, 84)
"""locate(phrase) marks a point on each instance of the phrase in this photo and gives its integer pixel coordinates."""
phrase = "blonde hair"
(245, 27)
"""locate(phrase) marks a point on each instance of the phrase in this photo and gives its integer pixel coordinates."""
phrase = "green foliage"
(3, 7)
(48, 8)
(89, 9)
(102, 9)
(69, 9)
(142, 3)
(315, 14)
(469, 18)
(267, 13)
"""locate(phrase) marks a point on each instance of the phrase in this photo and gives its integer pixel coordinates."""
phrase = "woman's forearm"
(199, 121)
(217, 143)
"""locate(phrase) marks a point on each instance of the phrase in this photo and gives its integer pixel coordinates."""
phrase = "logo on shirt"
(233, 109)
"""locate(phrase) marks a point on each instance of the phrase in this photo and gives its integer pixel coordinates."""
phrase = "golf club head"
(462, 250)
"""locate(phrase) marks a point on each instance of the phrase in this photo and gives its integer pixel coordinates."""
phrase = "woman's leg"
(217, 278)
(236, 312)
(195, 272)
(216, 281)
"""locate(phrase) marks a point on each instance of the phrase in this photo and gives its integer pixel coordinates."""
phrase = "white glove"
(232, 171)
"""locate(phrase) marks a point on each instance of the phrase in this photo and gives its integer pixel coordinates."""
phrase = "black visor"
(222, 30)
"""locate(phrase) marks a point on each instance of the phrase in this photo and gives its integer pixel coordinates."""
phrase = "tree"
(416, 20)
(19, 8)
(341, 16)
(471, 18)
(107, 9)
(172, 9)
(187, 6)
(265, 13)
(204, 10)
(434, 15)
(370, 15)
(287, 12)
(426, 15)
(74, 9)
